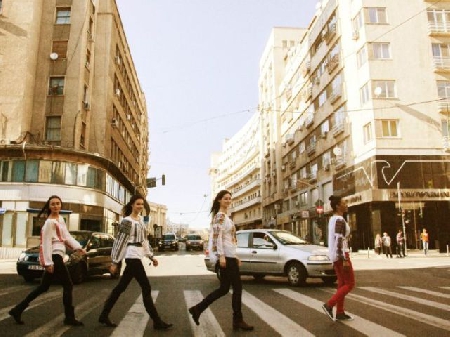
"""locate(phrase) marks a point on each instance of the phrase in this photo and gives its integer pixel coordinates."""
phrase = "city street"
(393, 297)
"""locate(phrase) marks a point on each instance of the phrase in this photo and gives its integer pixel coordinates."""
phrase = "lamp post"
(403, 216)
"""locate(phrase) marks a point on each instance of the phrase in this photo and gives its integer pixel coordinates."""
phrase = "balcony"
(444, 105)
(338, 129)
(442, 64)
(312, 177)
(333, 63)
(246, 204)
(292, 163)
(309, 120)
(290, 139)
(335, 95)
(255, 183)
(311, 148)
(340, 162)
(438, 28)
(331, 33)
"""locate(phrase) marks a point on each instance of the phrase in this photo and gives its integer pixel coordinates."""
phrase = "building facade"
(73, 118)
(238, 169)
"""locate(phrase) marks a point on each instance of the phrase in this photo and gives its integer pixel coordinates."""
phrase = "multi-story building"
(73, 119)
(237, 169)
(364, 114)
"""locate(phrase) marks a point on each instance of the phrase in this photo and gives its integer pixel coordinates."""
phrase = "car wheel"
(28, 278)
(296, 274)
(329, 280)
(259, 277)
(78, 273)
(219, 276)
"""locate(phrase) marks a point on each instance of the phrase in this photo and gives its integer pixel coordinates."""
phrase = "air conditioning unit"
(324, 134)
(128, 117)
(115, 123)
(118, 59)
(86, 106)
(283, 167)
(326, 167)
(117, 92)
(355, 34)
(317, 80)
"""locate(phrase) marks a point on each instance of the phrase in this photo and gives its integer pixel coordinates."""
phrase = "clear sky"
(198, 65)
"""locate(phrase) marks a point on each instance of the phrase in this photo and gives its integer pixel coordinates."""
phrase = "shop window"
(18, 171)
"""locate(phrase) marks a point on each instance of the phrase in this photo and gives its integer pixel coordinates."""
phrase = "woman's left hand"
(239, 263)
(155, 262)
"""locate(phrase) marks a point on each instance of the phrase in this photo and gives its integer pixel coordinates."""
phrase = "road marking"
(360, 324)
(50, 329)
(15, 289)
(208, 322)
(136, 319)
(279, 322)
(41, 300)
(423, 318)
(445, 288)
(425, 291)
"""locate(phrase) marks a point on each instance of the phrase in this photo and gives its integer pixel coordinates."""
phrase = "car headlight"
(318, 258)
(22, 257)
(66, 258)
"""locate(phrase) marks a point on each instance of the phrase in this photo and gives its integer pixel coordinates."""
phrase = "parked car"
(97, 260)
(277, 252)
(169, 241)
(194, 241)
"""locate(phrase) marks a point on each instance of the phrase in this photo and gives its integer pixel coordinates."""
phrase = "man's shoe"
(72, 322)
(17, 316)
(343, 317)
(328, 311)
(105, 320)
(195, 314)
(242, 326)
(161, 325)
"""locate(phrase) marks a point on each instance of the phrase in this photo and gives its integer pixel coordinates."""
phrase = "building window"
(60, 48)
(62, 16)
(357, 22)
(387, 89)
(439, 20)
(381, 50)
(361, 56)
(443, 89)
(367, 129)
(53, 129)
(71, 174)
(1, 6)
(445, 128)
(32, 171)
(364, 93)
(56, 86)
(18, 171)
(389, 128)
(376, 15)
(83, 135)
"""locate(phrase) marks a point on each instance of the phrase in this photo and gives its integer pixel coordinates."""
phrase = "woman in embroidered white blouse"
(223, 245)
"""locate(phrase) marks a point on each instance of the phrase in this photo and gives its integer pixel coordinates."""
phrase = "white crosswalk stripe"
(10, 290)
(424, 318)
(209, 326)
(136, 319)
(426, 291)
(279, 322)
(360, 324)
(408, 298)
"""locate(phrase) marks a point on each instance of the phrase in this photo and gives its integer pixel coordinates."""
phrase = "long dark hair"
(127, 209)
(334, 201)
(216, 203)
(46, 208)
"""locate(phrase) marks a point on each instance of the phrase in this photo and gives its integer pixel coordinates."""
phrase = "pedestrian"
(223, 243)
(400, 244)
(386, 239)
(378, 244)
(338, 251)
(54, 239)
(424, 238)
(132, 244)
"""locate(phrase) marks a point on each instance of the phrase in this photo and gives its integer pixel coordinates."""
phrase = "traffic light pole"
(403, 217)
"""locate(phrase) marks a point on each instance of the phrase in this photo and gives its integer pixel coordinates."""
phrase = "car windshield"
(82, 238)
(194, 237)
(287, 238)
(169, 237)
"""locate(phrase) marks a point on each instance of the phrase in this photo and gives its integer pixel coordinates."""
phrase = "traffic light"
(163, 179)
(151, 182)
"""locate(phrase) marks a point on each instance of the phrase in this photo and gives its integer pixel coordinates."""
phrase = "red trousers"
(346, 282)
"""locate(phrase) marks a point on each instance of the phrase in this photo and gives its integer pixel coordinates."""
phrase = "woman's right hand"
(222, 261)
(113, 269)
(50, 269)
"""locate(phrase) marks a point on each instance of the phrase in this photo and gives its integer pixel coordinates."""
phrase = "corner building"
(73, 118)
(363, 112)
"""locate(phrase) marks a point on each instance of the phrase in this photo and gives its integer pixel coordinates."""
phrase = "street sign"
(2, 210)
(319, 209)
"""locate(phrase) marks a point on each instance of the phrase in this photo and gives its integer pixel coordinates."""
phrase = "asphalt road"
(393, 297)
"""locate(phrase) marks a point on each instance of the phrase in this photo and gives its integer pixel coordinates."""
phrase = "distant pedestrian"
(386, 239)
(378, 244)
(132, 245)
(54, 239)
(223, 243)
(400, 244)
(338, 251)
(424, 238)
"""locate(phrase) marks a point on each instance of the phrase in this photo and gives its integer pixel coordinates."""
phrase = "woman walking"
(223, 244)
(132, 244)
(54, 239)
(338, 251)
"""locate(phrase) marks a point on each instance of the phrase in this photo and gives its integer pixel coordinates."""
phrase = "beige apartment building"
(73, 118)
(238, 169)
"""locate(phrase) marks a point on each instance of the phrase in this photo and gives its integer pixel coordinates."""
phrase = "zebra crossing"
(412, 305)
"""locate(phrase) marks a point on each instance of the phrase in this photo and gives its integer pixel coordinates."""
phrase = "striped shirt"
(131, 231)
(54, 239)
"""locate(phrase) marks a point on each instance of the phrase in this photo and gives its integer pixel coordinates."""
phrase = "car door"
(243, 251)
(93, 257)
(265, 256)
(104, 252)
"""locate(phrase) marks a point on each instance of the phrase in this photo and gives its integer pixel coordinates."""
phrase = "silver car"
(278, 252)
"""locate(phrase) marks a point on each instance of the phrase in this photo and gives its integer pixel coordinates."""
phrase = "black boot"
(70, 317)
(161, 325)
(240, 324)
(195, 313)
(104, 319)
(16, 313)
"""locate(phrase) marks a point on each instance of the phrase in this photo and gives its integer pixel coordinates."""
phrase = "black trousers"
(229, 277)
(60, 272)
(133, 269)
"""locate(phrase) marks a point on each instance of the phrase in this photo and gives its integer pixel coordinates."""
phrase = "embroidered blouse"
(338, 233)
(223, 235)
